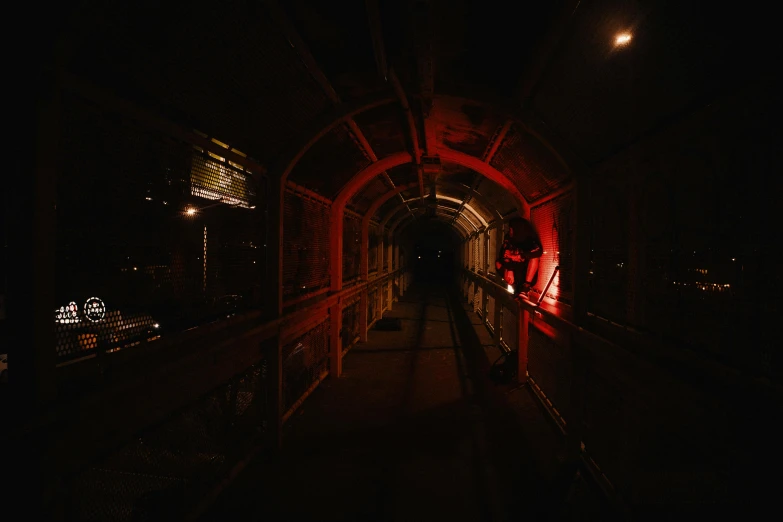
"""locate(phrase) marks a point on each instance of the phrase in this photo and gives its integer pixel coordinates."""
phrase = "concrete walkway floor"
(411, 431)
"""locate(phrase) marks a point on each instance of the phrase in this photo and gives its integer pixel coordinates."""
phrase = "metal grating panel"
(166, 469)
(350, 329)
(330, 163)
(133, 263)
(509, 334)
(212, 177)
(352, 235)
(403, 174)
(554, 222)
(372, 305)
(384, 127)
(305, 245)
(497, 196)
(494, 248)
(533, 168)
(371, 192)
(304, 360)
(550, 364)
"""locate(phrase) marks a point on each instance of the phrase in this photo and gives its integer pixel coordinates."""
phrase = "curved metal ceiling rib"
(483, 200)
(466, 206)
(463, 233)
(415, 204)
(363, 177)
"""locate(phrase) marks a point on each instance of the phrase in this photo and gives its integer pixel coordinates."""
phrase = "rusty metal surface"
(529, 164)
(330, 163)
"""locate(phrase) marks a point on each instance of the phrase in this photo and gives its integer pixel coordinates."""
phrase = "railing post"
(497, 322)
(390, 292)
(363, 315)
(335, 339)
(522, 343)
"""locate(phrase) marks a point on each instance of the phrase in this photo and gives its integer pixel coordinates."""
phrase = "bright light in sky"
(622, 39)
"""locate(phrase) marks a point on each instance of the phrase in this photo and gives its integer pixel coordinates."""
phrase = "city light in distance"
(622, 39)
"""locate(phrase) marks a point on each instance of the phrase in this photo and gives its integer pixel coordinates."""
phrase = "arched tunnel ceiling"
(477, 80)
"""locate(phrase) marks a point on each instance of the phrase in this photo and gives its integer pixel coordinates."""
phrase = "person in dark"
(517, 260)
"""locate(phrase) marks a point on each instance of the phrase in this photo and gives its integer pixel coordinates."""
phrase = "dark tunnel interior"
(390, 260)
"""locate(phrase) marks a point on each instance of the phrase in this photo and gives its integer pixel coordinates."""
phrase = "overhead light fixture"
(622, 39)
(190, 211)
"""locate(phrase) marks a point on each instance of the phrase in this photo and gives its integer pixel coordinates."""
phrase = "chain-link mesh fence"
(164, 471)
(304, 362)
(305, 245)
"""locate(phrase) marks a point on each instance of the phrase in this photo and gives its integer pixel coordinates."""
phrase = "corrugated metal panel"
(533, 168)
(305, 245)
(330, 163)
(554, 222)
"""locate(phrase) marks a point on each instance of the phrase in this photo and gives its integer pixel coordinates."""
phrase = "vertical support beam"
(389, 252)
(335, 339)
(363, 299)
(30, 299)
(32, 227)
(364, 262)
(485, 261)
(336, 248)
(390, 292)
(523, 343)
(381, 239)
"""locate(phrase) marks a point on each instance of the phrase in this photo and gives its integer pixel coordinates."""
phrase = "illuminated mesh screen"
(138, 256)
(554, 222)
(213, 177)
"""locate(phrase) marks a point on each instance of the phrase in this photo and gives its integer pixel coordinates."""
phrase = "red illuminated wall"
(554, 221)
